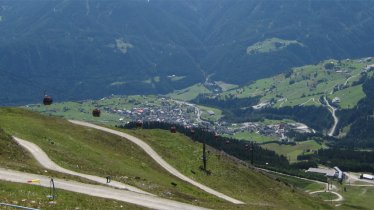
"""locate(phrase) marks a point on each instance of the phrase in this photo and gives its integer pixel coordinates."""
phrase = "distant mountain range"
(76, 49)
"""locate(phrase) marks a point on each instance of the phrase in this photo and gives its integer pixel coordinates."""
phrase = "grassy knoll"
(229, 177)
(292, 151)
(93, 152)
(189, 93)
(36, 197)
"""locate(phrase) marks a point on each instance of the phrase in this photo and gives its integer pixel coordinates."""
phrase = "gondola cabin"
(47, 100)
(96, 112)
(139, 124)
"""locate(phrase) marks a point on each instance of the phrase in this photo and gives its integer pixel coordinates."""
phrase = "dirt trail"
(159, 160)
(148, 201)
(47, 163)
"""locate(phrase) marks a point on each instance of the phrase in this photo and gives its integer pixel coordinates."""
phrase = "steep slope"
(89, 49)
(100, 154)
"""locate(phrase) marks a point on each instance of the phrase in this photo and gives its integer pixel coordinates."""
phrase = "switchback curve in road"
(148, 201)
(340, 197)
(47, 163)
(158, 159)
(336, 120)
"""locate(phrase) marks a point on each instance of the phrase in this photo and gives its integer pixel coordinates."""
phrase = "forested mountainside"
(89, 49)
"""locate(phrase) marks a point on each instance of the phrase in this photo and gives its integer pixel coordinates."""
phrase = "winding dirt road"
(47, 163)
(148, 201)
(340, 197)
(159, 160)
(336, 120)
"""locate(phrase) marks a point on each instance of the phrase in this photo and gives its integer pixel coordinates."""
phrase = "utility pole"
(52, 190)
(252, 149)
(204, 156)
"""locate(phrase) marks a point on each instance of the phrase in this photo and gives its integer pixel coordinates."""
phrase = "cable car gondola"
(47, 100)
(139, 124)
(96, 112)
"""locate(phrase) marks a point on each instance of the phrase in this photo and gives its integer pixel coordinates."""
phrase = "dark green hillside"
(89, 49)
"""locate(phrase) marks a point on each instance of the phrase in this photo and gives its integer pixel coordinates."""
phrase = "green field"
(292, 151)
(358, 197)
(84, 149)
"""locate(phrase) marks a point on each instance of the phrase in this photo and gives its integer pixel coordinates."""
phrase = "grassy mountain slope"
(13, 156)
(90, 151)
(305, 85)
(90, 49)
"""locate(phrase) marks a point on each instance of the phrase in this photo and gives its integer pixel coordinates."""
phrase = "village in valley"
(161, 109)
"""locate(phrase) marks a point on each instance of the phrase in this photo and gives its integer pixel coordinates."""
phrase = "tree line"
(242, 150)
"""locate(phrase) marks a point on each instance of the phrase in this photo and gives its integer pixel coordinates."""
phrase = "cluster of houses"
(187, 114)
(167, 111)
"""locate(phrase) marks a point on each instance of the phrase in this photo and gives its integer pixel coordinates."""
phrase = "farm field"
(292, 151)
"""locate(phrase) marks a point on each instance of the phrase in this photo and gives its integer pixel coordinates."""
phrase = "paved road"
(148, 201)
(352, 178)
(159, 160)
(47, 163)
(336, 120)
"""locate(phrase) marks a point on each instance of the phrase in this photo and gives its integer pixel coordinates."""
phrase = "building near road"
(332, 173)
(339, 174)
(336, 100)
(325, 171)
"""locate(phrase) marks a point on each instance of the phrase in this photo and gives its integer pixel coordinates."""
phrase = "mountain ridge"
(71, 49)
